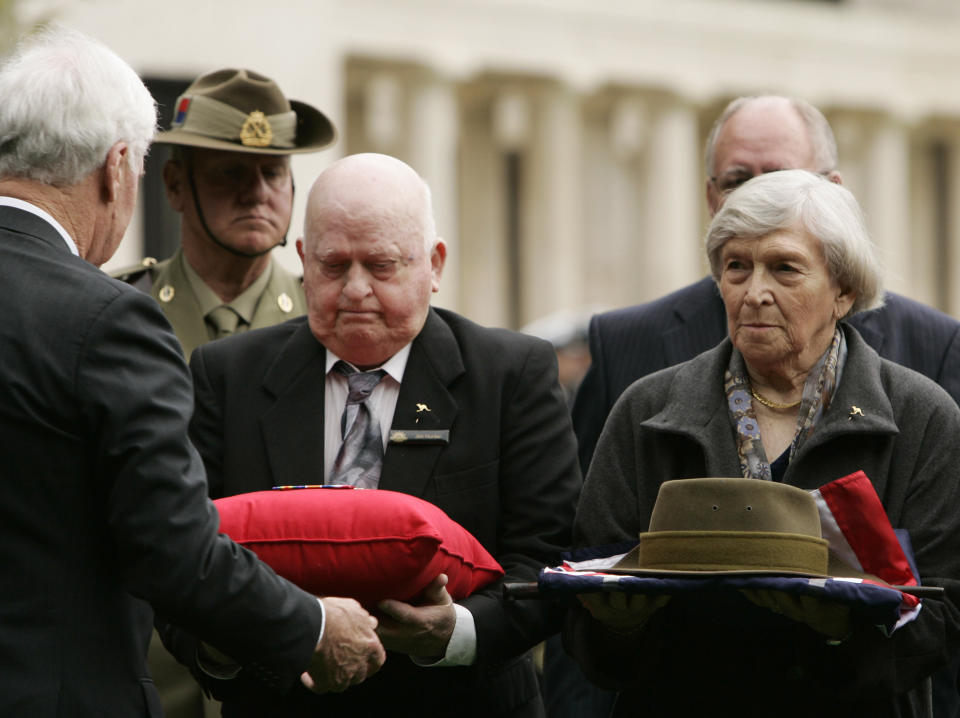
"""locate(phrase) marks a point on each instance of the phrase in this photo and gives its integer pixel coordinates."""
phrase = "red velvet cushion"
(365, 544)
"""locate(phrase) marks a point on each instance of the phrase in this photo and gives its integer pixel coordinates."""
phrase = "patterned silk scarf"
(821, 382)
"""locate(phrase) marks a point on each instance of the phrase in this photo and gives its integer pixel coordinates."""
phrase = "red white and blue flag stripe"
(181, 113)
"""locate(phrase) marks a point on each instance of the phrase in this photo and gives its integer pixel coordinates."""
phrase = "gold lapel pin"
(420, 409)
(166, 293)
(855, 411)
(285, 303)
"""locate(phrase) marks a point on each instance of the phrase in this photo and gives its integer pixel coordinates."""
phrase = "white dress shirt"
(382, 402)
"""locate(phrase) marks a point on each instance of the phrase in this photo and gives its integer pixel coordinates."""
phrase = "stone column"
(670, 230)
(552, 232)
(484, 288)
(613, 206)
(434, 135)
(953, 223)
(885, 199)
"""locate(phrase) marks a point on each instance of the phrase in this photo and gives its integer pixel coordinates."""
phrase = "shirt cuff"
(323, 619)
(462, 648)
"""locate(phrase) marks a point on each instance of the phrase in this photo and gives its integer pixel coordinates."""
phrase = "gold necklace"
(774, 404)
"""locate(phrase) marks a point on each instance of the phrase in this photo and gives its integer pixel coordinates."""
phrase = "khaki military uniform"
(281, 299)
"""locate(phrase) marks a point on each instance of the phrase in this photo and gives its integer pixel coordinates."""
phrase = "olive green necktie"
(224, 320)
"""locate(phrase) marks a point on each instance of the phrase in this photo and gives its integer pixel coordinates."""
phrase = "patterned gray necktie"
(361, 453)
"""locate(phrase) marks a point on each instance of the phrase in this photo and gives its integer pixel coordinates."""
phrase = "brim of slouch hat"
(737, 556)
(314, 132)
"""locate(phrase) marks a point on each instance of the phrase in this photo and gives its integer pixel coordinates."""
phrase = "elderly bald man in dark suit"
(498, 456)
(103, 512)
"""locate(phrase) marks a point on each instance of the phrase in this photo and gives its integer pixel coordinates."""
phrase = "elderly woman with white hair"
(793, 395)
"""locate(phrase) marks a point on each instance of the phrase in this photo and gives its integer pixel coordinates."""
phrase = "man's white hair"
(67, 99)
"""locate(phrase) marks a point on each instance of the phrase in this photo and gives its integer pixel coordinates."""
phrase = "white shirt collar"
(42, 214)
(394, 366)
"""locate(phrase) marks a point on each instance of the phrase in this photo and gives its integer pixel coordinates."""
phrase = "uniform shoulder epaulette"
(136, 274)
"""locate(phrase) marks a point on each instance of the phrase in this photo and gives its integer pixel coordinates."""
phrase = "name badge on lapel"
(420, 436)
(426, 429)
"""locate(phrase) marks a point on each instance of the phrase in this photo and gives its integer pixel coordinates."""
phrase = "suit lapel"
(292, 427)
(434, 362)
(701, 324)
(296, 379)
(870, 327)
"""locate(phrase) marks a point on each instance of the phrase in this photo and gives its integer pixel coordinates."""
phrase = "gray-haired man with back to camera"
(229, 178)
(103, 508)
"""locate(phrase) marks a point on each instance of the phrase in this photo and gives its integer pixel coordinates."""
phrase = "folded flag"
(853, 522)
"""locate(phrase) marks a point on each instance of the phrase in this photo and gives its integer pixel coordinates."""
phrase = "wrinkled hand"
(830, 618)
(349, 651)
(423, 630)
(622, 612)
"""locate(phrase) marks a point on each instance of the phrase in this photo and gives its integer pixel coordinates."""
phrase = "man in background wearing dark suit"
(486, 437)
(102, 504)
(753, 135)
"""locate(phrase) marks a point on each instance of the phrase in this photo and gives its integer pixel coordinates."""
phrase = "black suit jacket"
(102, 498)
(627, 344)
(509, 475)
